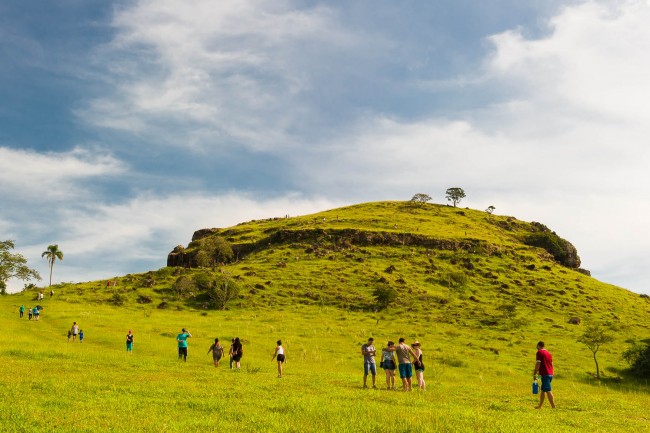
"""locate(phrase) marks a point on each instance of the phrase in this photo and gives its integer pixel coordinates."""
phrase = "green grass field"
(478, 311)
(50, 385)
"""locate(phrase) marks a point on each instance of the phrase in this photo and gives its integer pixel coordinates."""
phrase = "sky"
(127, 125)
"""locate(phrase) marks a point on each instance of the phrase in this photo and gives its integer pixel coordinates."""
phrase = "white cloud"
(205, 74)
(52, 176)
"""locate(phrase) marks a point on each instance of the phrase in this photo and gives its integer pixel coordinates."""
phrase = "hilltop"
(459, 266)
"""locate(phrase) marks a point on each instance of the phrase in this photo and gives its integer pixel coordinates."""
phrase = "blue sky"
(126, 126)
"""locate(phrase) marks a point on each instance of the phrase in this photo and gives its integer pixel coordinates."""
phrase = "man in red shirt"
(544, 366)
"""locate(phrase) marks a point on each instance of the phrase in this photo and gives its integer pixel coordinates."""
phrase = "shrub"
(638, 356)
(384, 296)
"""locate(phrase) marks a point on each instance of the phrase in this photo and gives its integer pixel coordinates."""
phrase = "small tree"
(384, 296)
(490, 209)
(183, 285)
(455, 195)
(218, 250)
(420, 198)
(221, 291)
(13, 266)
(595, 336)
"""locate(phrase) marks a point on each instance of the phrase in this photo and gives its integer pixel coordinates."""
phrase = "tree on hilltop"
(455, 195)
(52, 254)
(13, 266)
(421, 198)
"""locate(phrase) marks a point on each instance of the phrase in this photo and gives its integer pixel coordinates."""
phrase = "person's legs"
(387, 378)
(373, 371)
(279, 368)
(551, 399)
(231, 362)
(366, 370)
(409, 376)
(419, 374)
(541, 400)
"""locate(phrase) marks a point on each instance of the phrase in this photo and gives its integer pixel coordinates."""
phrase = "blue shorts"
(369, 366)
(546, 383)
(405, 371)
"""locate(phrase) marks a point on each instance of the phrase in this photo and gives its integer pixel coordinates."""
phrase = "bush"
(222, 290)
(638, 356)
(384, 296)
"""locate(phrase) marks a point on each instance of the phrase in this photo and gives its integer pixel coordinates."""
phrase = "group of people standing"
(74, 332)
(409, 358)
(34, 313)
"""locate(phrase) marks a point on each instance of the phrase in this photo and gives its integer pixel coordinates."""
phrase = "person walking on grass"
(21, 310)
(369, 366)
(419, 365)
(389, 365)
(230, 354)
(81, 336)
(404, 353)
(544, 366)
(182, 343)
(37, 313)
(279, 354)
(75, 331)
(237, 352)
(217, 352)
(129, 342)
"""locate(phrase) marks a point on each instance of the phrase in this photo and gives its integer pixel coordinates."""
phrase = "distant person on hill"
(544, 366)
(129, 342)
(182, 344)
(368, 352)
(69, 335)
(37, 313)
(404, 353)
(419, 365)
(232, 342)
(30, 312)
(81, 336)
(279, 354)
(389, 365)
(51, 293)
(40, 296)
(21, 310)
(217, 352)
(75, 331)
(237, 352)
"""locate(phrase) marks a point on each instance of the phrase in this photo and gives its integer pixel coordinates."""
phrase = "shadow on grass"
(618, 379)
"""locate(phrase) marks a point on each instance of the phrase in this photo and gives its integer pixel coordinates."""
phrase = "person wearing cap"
(368, 352)
(404, 353)
(418, 364)
(182, 344)
(129, 342)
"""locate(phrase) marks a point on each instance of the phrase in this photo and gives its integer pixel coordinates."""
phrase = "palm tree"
(52, 254)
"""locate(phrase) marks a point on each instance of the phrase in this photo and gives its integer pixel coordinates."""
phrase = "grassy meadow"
(478, 313)
(50, 385)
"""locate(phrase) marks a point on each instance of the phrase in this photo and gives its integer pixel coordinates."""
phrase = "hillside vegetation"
(477, 290)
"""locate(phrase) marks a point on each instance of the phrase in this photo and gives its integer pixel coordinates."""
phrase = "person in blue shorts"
(369, 366)
(404, 353)
(544, 366)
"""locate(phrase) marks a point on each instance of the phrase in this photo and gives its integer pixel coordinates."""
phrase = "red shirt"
(546, 362)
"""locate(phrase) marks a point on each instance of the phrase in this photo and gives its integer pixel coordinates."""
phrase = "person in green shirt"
(22, 311)
(182, 344)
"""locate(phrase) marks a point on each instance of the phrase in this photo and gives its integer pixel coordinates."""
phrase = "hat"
(184, 330)
(415, 343)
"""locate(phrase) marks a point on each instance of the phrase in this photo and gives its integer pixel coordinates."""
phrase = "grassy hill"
(470, 286)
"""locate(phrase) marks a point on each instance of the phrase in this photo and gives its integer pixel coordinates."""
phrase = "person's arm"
(364, 352)
(275, 353)
(188, 334)
(536, 370)
(210, 349)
